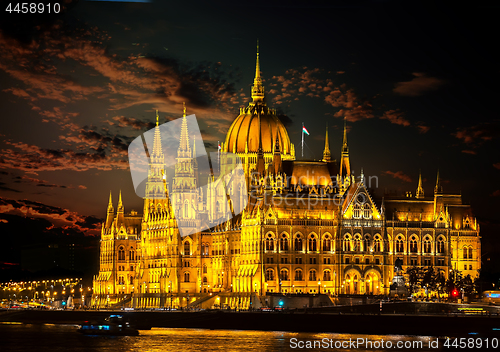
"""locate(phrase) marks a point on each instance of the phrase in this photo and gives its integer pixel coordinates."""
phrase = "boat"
(114, 325)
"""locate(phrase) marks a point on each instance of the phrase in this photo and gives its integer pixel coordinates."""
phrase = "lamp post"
(319, 287)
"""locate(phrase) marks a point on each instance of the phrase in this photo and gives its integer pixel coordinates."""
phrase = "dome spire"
(257, 88)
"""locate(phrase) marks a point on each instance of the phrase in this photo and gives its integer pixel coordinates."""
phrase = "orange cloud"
(419, 85)
(399, 175)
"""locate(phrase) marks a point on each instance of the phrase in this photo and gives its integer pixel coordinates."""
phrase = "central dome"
(258, 124)
(244, 133)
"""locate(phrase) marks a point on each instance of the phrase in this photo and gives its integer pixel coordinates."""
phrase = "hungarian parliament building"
(306, 228)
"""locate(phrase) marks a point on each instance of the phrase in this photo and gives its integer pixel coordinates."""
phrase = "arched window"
(312, 244)
(298, 244)
(205, 280)
(121, 253)
(312, 275)
(367, 211)
(284, 275)
(298, 275)
(121, 280)
(346, 244)
(356, 211)
(327, 244)
(187, 248)
(469, 254)
(413, 245)
(377, 244)
(269, 275)
(205, 269)
(131, 254)
(186, 276)
(366, 243)
(427, 245)
(186, 209)
(284, 243)
(269, 243)
(357, 243)
(327, 275)
(440, 246)
(399, 245)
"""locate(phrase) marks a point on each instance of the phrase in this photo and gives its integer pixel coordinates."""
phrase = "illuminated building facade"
(309, 227)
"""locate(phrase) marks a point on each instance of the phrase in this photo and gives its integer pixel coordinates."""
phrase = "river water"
(49, 337)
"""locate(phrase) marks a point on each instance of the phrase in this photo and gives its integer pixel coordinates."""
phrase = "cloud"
(422, 128)
(396, 117)
(469, 152)
(29, 157)
(350, 106)
(478, 133)
(399, 175)
(497, 166)
(61, 220)
(496, 193)
(419, 85)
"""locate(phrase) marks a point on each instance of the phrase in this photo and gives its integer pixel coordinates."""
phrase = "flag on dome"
(304, 130)
(219, 145)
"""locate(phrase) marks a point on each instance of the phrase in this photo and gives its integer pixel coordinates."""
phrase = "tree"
(414, 278)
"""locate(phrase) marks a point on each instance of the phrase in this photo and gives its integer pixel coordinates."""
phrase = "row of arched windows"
(413, 245)
(284, 276)
(357, 244)
(299, 244)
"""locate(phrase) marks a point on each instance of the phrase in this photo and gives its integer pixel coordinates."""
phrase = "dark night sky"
(417, 84)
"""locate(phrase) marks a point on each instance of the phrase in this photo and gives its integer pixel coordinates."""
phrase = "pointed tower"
(184, 186)
(438, 188)
(257, 88)
(110, 212)
(327, 156)
(344, 178)
(154, 185)
(420, 189)
(184, 150)
(345, 165)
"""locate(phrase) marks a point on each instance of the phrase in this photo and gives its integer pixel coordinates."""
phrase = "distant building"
(310, 227)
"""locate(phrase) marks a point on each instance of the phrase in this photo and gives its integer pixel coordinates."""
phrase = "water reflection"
(54, 338)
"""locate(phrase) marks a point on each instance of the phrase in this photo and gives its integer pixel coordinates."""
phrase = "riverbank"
(450, 324)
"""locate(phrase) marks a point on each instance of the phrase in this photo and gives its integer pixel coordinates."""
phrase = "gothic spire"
(327, 156)
(120, 203)
(438, 187)
(420, 189)
(184, 148)
(110, 204)
(157, 154)
(257, 88)
(345, 165)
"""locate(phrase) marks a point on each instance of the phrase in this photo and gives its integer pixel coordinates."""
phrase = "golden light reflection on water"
(57, 338)
(184, 340)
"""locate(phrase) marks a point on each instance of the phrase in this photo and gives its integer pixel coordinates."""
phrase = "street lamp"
(319, 287)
